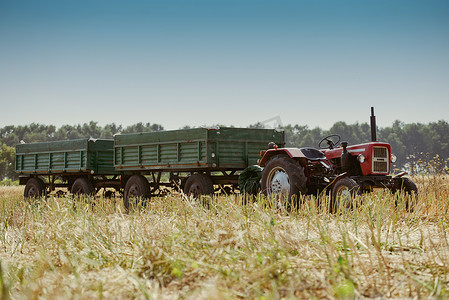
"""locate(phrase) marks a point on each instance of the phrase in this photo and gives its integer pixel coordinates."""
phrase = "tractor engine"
(373, 158)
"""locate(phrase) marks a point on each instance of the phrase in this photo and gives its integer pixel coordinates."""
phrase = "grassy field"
(61, 248)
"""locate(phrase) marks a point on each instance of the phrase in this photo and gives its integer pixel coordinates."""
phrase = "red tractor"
(344, 170)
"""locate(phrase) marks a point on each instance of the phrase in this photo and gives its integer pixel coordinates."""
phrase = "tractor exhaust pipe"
(373, 126)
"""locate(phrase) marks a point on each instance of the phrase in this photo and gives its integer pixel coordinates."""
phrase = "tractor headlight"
(393, 158)
(361, 158)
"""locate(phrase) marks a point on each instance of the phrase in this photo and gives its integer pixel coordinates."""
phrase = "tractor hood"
(376, 157)
(364, 149)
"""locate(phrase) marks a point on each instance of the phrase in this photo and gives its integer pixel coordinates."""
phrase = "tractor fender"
(291, 152)
(338, 178)
(401, 174)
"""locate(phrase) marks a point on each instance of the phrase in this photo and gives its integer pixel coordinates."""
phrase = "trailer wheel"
(34, 188)
(343, 193)
(283, 181)
(83, 186)
(199, 184)
(137, 188)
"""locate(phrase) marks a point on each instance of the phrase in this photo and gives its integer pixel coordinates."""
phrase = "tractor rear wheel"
(137, 188)
(283, 181)
(343, 194)
(34, 188)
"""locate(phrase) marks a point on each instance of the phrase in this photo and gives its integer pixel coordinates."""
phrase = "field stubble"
(59, 248)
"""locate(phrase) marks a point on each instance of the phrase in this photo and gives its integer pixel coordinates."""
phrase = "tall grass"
(174, 247)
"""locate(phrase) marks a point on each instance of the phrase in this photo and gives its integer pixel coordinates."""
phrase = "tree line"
(413, 143)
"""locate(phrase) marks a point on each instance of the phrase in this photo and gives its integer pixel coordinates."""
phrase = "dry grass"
(59, 248)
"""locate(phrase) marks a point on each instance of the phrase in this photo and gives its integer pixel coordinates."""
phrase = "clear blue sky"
(197, 62)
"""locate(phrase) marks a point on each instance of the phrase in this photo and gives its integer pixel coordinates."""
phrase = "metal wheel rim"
(278, 182)
(343, 197)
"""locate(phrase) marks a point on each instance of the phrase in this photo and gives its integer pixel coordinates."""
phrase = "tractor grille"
(380, 152)
(380, 160)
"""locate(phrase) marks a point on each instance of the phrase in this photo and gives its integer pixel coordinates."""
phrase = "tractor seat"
(312, 153)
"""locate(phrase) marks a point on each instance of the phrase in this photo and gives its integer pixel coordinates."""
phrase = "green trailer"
(198, 161)
(81, 165)
(192, 149)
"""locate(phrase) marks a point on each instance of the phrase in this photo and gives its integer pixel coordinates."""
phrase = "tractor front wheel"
(409, 190)
(407, 186)
(343, 194)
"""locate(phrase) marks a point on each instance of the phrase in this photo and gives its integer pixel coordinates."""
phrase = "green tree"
(140, 127)
(7, 160)
(439, 138)
(110, 130)
(258, 125)
(301, 136)
(8, 135)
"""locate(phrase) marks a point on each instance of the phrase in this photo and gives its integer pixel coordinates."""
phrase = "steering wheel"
(331, 140)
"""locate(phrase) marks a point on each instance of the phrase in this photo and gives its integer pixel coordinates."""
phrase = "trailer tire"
(198, 184)
(283, 181)
(136, 187)
(34, 188)
(343, 193)
(82, 186)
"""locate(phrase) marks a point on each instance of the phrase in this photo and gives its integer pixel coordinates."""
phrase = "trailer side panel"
(72, 156)
(193, 149)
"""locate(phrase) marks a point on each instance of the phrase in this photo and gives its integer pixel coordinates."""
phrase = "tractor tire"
(409, 188)
(34, 188)
(83, 186)
(283, 181)
(343, 194)
(137, 188)
(198, 184)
